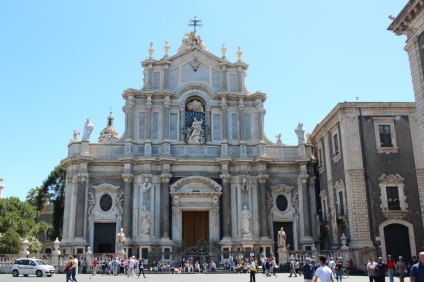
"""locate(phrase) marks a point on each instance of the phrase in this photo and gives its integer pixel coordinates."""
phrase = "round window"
(106, 202)
(282, 203)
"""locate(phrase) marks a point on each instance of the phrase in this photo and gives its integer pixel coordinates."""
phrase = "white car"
(31, 266)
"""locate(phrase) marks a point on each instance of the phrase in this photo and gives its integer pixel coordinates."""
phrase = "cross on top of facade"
(195, 22)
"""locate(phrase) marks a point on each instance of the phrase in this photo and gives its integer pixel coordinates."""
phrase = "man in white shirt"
(131, 265)
(323, 272)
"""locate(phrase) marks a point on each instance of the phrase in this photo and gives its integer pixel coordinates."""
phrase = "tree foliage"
(10, 242)
(17, 215)
(51, 192)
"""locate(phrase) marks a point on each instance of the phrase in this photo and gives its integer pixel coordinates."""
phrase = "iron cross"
(195, 22)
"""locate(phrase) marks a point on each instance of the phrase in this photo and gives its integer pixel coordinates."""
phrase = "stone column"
(224, 118)
(241, 119)
(80, 205)
(166, 105)
(165, 178)
(305, 211)
(208, 122)
(149, 117)
(263, 214)
(182, 122)
(226, 208)
(148, 141)
(259, 108)
(128, 202)
(128, 109)
(67, 211)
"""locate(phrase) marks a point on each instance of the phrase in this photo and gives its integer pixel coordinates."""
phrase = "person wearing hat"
(400, 269)
(417, 270)
(390, 266)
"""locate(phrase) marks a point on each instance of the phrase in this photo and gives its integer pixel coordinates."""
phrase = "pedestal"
(283, 256)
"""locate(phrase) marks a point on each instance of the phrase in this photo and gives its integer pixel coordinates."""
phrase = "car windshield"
(40, 262)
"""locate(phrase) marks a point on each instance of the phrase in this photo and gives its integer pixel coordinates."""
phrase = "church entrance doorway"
(397, 241)
(195, 225)
(104, 237)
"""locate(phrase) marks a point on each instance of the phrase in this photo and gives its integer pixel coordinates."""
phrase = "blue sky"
(65, 61)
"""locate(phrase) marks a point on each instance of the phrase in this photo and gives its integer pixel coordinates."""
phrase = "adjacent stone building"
(192, 164)
(410, 22)
(370, 166)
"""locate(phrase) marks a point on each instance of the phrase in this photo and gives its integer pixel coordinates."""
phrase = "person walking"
(274, 266)
(292, 268)
(417, 270)
(141, 267)
(380, 270)
(70, 267)
(338, 269)
(131, 265)
(308, 270)
(94, 264)
(323, 272)
(390, 266)
(253, 269)
(400, 269)
(371, 270)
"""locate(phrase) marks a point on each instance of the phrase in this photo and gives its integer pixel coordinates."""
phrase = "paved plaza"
(231, 277)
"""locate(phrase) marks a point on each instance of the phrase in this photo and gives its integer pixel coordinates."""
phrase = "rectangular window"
(156, 80)
(234, 127)
(173, 126)
(319, 157)
(155, 125)
(233, 83)
(385, 135)
(247, 127)
(336, 144)
(393, 202)
(142, 125)
(216, 129)
(341, 204)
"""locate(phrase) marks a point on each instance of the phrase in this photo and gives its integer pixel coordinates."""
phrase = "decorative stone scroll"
(244, 182)
(195, 179)
(82, 177)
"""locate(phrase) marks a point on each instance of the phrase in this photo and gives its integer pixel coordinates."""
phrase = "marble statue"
(147, 184)
(300, 133)
(278, 136)
(246, 219)
(282, 238)
(196, 130)
(145, 221)
(121, 238)
(75, 134)
(88, 128)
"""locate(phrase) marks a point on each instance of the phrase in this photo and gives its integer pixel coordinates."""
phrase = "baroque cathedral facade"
(192, 164)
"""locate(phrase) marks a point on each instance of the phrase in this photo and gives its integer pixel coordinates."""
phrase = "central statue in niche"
(194, 126)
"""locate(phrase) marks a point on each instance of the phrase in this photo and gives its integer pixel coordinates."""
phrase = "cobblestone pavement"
(227, 277)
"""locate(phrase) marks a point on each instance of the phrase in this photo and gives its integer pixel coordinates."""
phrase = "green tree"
(51, 192)
(35, 245)
(10, 242)
(54, 186)
(20, 216)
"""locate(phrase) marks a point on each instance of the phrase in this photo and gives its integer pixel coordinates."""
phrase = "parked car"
(31, 266)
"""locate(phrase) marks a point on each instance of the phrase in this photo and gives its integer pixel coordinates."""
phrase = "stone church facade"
(192, 164)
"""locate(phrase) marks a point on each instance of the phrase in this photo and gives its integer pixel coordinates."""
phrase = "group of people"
(377, 270)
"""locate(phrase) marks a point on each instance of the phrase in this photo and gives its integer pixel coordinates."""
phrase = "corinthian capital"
(82, 177)
(128, 177)
(165, 177)
(262, 178)
(303, 178)
(226, 178)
